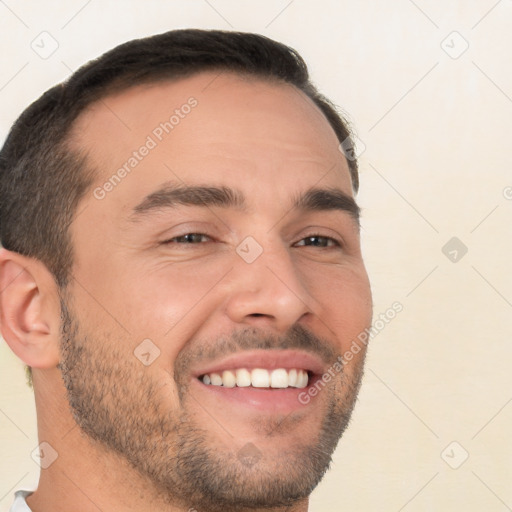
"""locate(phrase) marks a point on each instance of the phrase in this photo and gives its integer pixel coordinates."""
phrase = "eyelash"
(329, 239)
(174, 239)
(336, 243)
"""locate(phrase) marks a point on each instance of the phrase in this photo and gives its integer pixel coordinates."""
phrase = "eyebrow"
(172, 195)
(321, 199)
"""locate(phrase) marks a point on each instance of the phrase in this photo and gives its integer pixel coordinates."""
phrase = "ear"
(29, 309)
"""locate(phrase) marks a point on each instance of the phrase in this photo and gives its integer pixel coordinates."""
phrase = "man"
(181, 272)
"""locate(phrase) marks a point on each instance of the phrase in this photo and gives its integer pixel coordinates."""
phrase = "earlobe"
(29, 309)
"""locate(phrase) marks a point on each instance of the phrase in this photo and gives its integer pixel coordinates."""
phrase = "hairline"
(71, 139)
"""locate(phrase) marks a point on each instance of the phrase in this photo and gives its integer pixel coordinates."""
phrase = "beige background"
(436, 125)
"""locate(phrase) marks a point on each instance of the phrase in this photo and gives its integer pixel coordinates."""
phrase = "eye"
(189, 238)
(318, 241)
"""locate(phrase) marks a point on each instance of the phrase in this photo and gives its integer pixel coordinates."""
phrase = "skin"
(129, 283)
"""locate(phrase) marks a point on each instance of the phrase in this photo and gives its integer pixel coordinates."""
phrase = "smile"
(258, 378)
(267, 381)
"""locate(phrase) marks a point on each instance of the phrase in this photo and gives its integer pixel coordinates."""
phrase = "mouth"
(264, 380)
(278, 378)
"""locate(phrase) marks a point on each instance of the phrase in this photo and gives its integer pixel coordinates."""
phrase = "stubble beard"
(120, 405)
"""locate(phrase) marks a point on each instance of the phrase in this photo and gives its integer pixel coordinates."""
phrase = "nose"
(269, 293)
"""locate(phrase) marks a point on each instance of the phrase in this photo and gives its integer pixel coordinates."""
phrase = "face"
(219, 246)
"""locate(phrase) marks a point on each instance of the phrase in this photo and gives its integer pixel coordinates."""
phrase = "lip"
(269, 359)
(262, 400)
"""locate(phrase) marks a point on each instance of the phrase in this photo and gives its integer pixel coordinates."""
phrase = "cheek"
(344, 296)
(166, 304)
(155, 298)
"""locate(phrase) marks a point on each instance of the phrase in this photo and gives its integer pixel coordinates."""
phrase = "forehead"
(211, 127)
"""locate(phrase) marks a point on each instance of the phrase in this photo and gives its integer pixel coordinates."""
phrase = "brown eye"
(318, 241)
(189, 238)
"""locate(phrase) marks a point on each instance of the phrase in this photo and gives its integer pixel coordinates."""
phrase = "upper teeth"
(258, 378)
